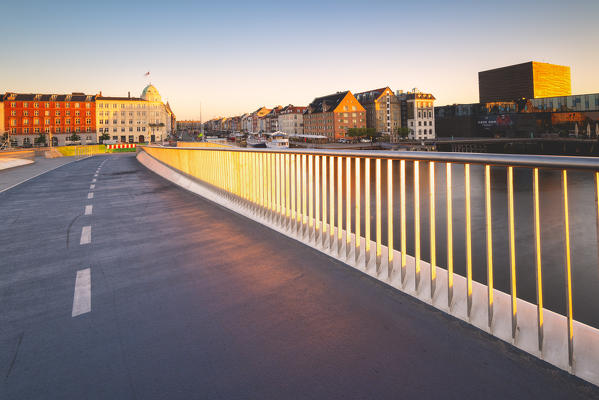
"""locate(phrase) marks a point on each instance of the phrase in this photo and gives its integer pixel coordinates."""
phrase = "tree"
(41, 139)
(104, 136)
(403, 132)
(362, 132)
(74, 137)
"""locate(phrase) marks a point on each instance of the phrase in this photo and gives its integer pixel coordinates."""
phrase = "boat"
(255, 140)
(277, 140)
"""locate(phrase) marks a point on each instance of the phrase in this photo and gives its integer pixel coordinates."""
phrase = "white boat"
(254, 140)
(277, 140)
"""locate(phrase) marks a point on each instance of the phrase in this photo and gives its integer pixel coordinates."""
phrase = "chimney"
(100, 93)
(129, 94)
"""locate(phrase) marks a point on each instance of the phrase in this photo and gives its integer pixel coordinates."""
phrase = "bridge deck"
(189, 300)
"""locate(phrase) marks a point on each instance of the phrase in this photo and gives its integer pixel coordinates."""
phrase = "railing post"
(316, 198)
(568, 270)
(331, 202)
(390, 260)
(449, 218)
(417, 225)
(366, 212)
(489, 237)
(358, 212)
(324, 201)
(432, 234)
(538, 274)
(339, 205)
(468, 239)
(347, 207)
(377, 189)
(402, 205)
(512, 244)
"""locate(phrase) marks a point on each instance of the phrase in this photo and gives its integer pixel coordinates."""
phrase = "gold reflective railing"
(314, 195)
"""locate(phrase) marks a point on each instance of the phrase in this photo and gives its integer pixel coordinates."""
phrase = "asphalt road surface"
(136, 289)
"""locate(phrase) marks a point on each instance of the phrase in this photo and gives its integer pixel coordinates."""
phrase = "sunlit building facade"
(134, 119)
(418, 111)
(57, 117)
(383, 111)
(333, 115)
(291, 120)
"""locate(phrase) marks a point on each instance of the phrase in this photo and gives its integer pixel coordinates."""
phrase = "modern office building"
(528, 80)
(134, 119)
(383, 111)
(333, 115)
(418, 114)
(291, 120)
(56, 116)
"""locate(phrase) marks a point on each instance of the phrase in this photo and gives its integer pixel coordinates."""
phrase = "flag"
(147, 73)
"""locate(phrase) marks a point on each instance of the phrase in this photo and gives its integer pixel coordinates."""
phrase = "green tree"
(74, 137)
(403, 132)
(41, 139)
(104, 136)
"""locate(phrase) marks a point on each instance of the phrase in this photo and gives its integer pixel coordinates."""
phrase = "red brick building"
(334, 115)
(26, 116)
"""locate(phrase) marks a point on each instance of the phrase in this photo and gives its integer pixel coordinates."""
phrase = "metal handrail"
(514, 160)
(289, 189)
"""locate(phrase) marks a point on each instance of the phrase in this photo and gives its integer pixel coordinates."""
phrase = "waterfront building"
(418, 114)
(528, 80)
(271, 120)
(566, 116)
(245, 122)
(291, 120)
(256, 120)
(334, 115)
(57, 116)
(3, 130)
(190, 127)
(134, 119)
(383, 111)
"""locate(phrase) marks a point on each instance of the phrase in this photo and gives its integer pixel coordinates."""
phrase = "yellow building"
(134, 119)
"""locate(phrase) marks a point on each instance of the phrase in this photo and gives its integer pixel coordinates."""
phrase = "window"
(25, 104)
(25, 121)
(77, 113)
(67, 121)
(47, 113)
(13, 122)
(67, 129)
(36, 130)
(26, 113)
(87, 113)
(67, 105)
(13, 113)
(47, 121)
(88, 121)
(36, 105)
(76, 105)
(57, 113)
(87, 105)
(56, 121)
(36, 121)
(13, 104)
(36, 113)
(67, 112)
(47, 105)
(77, 121)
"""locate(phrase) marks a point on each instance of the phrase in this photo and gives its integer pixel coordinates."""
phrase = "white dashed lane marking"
(86, 235)
(82, 299)
(92, 187)
(89, 209)
(90, 195)
(94, 180)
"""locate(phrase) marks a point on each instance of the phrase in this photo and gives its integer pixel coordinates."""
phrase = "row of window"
(48, 129)
(25, 104)
(123, 105)
(47, 121)
(424, 114)
(106, 130)
(123, 113)
(116, 121)
(36, 113)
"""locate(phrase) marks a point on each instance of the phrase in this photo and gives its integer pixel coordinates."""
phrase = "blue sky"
(234, 56)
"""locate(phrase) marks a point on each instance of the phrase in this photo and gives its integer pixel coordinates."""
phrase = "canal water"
(582, 216)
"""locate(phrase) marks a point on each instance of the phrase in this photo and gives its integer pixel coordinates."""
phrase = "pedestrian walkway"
(10, 177)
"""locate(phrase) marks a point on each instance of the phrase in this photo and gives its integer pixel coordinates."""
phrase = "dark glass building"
(529, 80)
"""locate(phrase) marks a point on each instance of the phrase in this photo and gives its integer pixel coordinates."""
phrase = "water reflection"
(583, 228)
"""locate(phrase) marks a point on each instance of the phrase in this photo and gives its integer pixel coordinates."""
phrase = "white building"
(291, 120)
(420, 114)
(133, 119)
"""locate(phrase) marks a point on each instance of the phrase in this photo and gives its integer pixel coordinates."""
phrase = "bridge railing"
(345, 204)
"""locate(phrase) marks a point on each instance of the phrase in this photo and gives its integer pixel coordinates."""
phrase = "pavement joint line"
(88, 209)
(90, 195)
(92, 187)
(86, 235)
(82, 298)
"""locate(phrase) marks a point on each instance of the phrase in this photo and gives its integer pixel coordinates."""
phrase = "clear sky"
(234, 56)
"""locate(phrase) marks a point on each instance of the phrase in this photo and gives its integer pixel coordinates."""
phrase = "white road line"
(86, 235)
(89, 209)
(92, 187)
(90, 195)
(94, 180)
(82, 299)
(95, 175)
